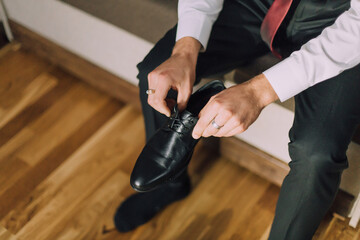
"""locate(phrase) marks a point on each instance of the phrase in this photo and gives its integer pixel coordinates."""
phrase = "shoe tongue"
(186, 114)
(183, 115)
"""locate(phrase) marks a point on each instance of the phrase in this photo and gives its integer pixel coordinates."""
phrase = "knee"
(317, 155)
(315, 167)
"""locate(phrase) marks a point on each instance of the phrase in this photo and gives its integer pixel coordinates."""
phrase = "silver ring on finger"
(150, 91)
(215, 125)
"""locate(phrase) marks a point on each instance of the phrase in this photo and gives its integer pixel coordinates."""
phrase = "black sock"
(140, 208)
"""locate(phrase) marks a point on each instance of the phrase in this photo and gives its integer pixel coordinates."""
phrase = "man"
(215, 36)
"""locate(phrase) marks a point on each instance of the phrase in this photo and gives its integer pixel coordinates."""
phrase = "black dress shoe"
(168, 152)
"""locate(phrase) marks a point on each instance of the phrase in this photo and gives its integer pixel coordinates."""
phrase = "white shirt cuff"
(197, 26)
(285, 80)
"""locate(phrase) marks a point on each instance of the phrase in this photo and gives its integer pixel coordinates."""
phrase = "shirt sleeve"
(336, 49)
(196, 18)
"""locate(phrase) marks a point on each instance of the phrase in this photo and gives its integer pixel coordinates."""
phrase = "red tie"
(272, 21)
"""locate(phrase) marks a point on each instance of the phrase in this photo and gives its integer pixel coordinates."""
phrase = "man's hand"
(235, 108)
(178, 73)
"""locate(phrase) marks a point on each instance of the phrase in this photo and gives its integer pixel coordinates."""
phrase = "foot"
(140, 208)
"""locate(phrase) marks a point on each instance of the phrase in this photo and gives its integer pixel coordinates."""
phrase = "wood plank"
(205, 155)
(43, 143)
(109, 83)
(217, 200)
(6, 235)
(14, 81)
(36, 149)
(324, 225)
(88, 220)
(9, 148)
(20, 190)
(36, 89)
(246, 209)
(9, 49)
(33, 111)
(260, 217)
(11, 171)
(265, 234)
(74, 184)
(340, 229)
(14, 84)
(103, 226)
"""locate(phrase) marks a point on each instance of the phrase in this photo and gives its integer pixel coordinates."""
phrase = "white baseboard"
(97, 41)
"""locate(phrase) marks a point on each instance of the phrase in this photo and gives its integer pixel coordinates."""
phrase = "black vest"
(309, 17)
(305, 20)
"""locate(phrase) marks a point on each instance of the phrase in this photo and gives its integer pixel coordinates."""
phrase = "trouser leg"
(326, 116)
(235, 38)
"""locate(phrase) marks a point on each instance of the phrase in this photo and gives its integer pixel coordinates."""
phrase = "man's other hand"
(234, 109)
(178, 73)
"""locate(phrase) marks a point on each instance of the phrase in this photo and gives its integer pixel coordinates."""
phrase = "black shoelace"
(174, 121)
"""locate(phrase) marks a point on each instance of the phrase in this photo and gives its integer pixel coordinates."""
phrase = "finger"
(235, 131)
(207, 114)
(183, 96)
(221, 120)
(230, 125)
(152, 80)
(157, 100)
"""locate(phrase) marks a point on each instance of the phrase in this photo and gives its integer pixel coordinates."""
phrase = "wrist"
(263, 91)
(187, 47)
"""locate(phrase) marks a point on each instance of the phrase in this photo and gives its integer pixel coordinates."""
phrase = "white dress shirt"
(336, 49)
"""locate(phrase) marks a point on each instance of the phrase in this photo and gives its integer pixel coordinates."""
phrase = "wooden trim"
(85, 70)
(253, 159)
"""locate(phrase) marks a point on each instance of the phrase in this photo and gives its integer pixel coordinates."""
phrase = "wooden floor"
(66, 153)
